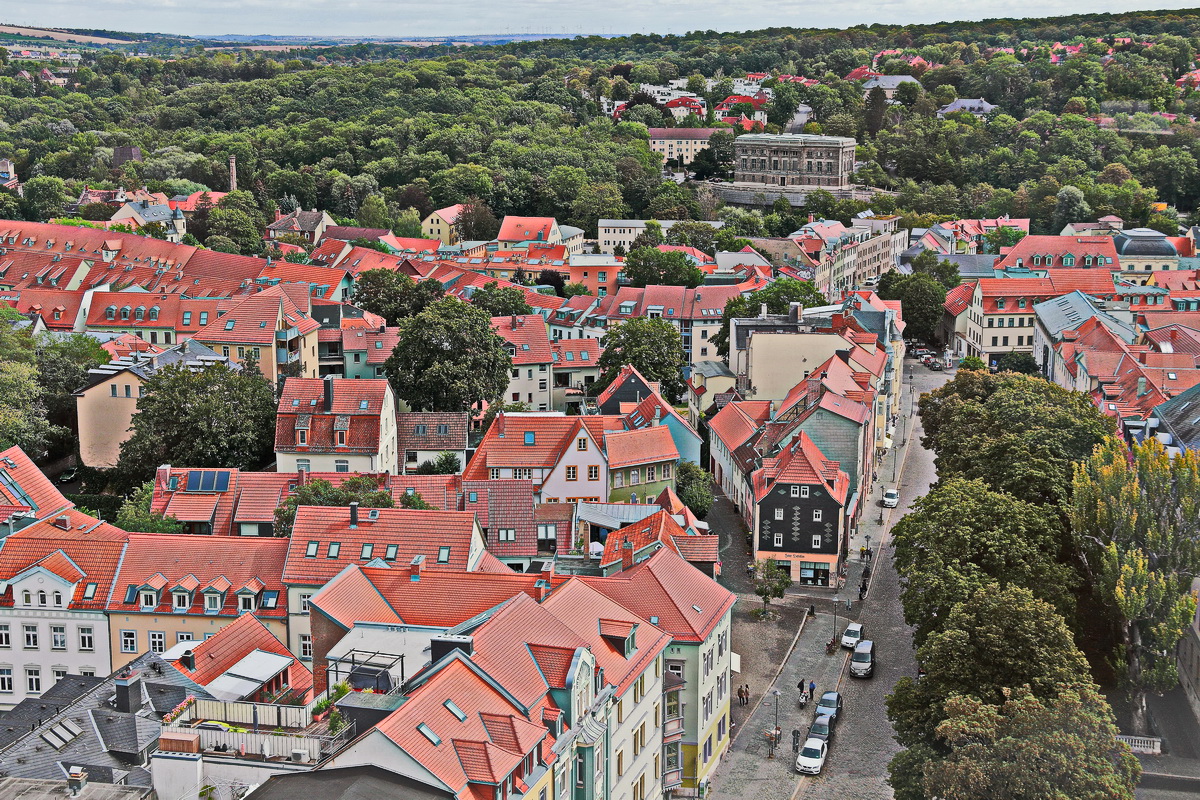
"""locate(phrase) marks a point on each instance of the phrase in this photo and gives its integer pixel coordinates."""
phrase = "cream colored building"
(106, 406)
(682, 144)
(440, 224)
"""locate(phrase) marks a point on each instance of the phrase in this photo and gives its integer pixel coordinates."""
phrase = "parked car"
(862, 663)
(830, 705)
(822, 728)
(852, 635)
(891, 498)
(812, 757)
(936, 366)
(69, 476)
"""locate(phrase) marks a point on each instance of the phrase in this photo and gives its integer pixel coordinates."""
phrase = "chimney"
(416, 565)
(812, 217)
(129, 692)
(329, 393)
(657, 417)
(1174, 334)
(354, 514)
(76, 781)
(278, 214)
(439, 646)
(626, 554)
(233, 173)
(1141, 386)
(188, 659)
(301, 477)
(543, 586)
(795, 311)
(163, 475)
(514, 322)
(62, 522)
(763, 308)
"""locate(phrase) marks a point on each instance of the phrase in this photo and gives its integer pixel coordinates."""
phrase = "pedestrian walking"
(862, 553)
(746, 692)
(741, 697)
(812, 688)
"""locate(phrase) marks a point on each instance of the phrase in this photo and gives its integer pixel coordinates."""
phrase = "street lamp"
(836, 600)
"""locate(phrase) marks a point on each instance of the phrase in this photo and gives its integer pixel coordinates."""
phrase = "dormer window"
(148, 599)
(139, 314)
(212, 603)
(125, 312)
(302, 437)
(110, 312)
(1068, 260)
(245, 602)
(341, 438)
(180, 601)
(154, 313)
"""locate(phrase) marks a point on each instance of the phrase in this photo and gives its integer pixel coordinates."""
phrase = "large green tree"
(448, 358)
(1137, 519)
(1030, 748)
(363, 489)
(500, 301)
(694, 486)
(1019, 434)
(135, 515)
(921, 299)
(649, 266)
(652, 346)
(211, 417)
(963, 536)
(394, 295)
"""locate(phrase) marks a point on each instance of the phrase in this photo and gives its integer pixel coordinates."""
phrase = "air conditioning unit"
(299, 756)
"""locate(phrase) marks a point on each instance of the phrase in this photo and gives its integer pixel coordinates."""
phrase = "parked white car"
(812, 757)
(891, 498)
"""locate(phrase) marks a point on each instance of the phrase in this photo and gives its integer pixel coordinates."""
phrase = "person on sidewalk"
(812, 688)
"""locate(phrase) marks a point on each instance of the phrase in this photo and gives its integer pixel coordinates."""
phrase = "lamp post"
(836, 600)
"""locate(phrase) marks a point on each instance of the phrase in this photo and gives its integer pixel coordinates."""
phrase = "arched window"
(41, 598)
(58, 599)
(27, 597)
(110, 312)
(125, 312)
(154, 312)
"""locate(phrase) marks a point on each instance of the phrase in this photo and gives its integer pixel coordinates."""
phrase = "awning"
(735, 662)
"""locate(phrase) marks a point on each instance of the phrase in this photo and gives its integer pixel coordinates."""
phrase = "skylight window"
(455, 710)
(362, 405)
(530, 437)
(443, 555)
(428, 733)
(229, 325)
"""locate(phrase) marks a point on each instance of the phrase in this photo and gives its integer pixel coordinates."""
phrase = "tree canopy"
(363, 489)
(448, 358)
(652, 346)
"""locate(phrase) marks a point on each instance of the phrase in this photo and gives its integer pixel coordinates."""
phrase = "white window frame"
(817, 513)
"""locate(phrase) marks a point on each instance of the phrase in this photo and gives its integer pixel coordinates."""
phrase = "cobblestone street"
(862, 744)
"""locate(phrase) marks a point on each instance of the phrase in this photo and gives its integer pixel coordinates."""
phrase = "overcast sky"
(448, 17)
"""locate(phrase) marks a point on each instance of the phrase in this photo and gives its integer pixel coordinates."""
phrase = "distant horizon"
(316, 19)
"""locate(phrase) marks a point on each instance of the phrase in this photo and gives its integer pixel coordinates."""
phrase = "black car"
(822, 728)
(830, 705)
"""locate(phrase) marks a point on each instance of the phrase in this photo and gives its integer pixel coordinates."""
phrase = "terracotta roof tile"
(527, 336)
(641, 446)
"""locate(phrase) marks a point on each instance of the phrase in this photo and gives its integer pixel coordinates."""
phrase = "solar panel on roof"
(207, 481)
(222, 481)
(193, 481)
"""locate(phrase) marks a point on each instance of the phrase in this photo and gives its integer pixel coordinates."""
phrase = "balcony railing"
(672, 777)
(672, 726)
(287, 333)
(284, 356)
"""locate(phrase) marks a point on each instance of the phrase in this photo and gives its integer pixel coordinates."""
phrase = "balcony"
(672, 726)
(285, 356)
(672, 777)
(286, 334)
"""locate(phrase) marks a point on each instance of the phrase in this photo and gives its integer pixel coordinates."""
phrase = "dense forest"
(371, 131)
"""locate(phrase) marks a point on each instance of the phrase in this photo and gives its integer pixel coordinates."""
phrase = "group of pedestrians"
(743, 693)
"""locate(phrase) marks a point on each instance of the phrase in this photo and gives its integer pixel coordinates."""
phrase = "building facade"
(793, 159)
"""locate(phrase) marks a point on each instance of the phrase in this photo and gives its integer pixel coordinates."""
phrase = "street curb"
(774, 680)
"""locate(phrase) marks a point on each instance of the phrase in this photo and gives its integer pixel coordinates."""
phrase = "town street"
(863, 743)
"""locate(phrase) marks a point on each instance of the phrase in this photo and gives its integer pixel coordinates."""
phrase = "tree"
(1013, 361)
(597, 201)
(778, 298)
(1137, 519)
(943, 270)
(184, 417)
(373, 213)
(407, 224)
(699, 235)
(237, 227)
(996, 640)
(972, 362)
(44, 197)
(135, 515)
(921, 297)
(1031, 748)
(222, 244)
(1003, 237)
(443, 464)
(63, 363)
(770, 582)
(476, 222)
(1070, 206)
(652, 346)
(876, 112)
(694, 487)
(363, 489)
(1017, 433)
(649, 266)
(394, 295)
(962, 536)
(23, 421)
(500, 301)
(575, 290)
(448, 358)
(414, 502)
(552, 277)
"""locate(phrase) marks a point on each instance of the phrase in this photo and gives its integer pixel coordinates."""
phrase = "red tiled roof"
(237, 562)
(192, 507)
(527, 335)
(90, 549)
(640, 446)
(217, 654)
(582, 352)
(414, 533)
(1056, 247)
(958, 299)
(687, 603)
(737, 421)
(524, 229)
(504, 443)
(802, 463)
(661, 530)
(27, 486)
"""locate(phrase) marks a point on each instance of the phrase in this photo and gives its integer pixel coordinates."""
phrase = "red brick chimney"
(626, 554)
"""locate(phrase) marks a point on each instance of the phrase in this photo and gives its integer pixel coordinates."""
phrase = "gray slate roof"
(105, 733)
(1069, 311)
(1180, 416)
